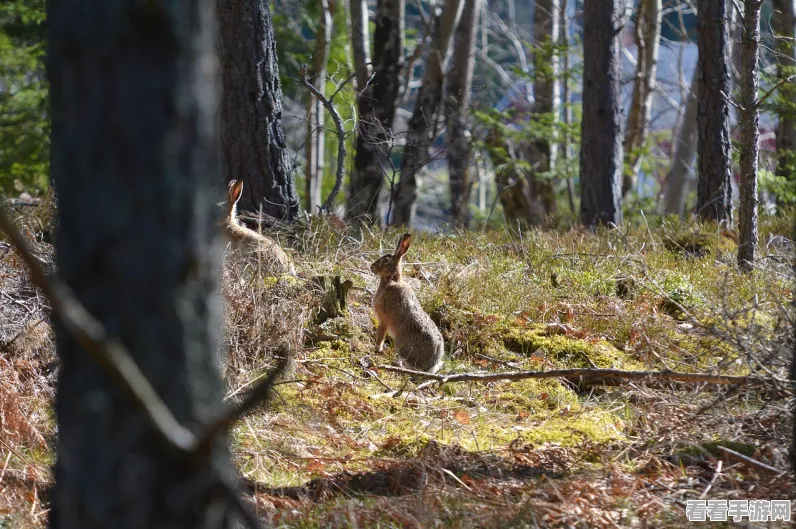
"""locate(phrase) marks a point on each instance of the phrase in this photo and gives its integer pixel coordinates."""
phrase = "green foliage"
(24, 120)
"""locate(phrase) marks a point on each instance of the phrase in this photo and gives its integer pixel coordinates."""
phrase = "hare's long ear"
(403, 245)
(235, 191)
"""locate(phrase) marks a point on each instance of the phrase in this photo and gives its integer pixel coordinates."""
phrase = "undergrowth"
(335, 448)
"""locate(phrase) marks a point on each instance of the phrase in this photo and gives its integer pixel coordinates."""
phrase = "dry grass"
(336, 450)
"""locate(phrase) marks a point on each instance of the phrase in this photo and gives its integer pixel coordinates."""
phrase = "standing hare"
(274, 256)
(418, 342)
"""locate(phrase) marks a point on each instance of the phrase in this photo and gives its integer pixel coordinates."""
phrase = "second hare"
(274, 256)
(418, 342)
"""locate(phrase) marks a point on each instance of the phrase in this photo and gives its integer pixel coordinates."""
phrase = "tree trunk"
(460, 80)
(750, 134)
(360, 42)
(423, 123)
(601, 127)
(252, 134)
(566, 115)
(136, 172)
(316, 155)
(784, 25)
(714, 192)
(684, 153)
(377, 105)
(513, 189)
(647, 37)
(544, 152)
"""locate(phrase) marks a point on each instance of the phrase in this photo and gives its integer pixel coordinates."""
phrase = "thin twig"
(749, 461)
(341, 151)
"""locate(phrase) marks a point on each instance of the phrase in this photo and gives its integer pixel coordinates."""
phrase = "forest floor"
(336, 448)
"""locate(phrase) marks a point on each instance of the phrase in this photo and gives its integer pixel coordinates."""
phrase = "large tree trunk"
(360, 41)
(316, 155)
(714, 192)
(252, 134)
(544, 153)
(136, 173)
(377, 105)
(647, 37)
(601, 127)
(784, 25)
(685, 143)
(460, 80)
(423, 123)
(750, 134)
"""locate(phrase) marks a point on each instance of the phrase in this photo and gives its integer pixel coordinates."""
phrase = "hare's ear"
(235, 190)
(403, 245)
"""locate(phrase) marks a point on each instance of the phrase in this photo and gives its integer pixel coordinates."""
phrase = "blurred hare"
(417, 340)
(274, 256)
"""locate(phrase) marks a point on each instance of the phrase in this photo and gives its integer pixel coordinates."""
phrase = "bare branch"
(341, 151)
(594, 376)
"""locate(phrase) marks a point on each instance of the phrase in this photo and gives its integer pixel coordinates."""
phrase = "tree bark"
(784, 25)
(647, 37)
(544, 153)
(360, 41)
(252, 133)
(714, 192)
(460, 80)
(136, 172)
(685, 144)
(377, 105)
(601, 127)
(316, 156)
(566, 115)
(423, 123)
(750, 134)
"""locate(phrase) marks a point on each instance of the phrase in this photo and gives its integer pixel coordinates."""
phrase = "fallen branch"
(580, 375)
(749, 461)
(341, 152)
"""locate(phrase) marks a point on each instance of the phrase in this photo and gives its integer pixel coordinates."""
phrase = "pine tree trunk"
(714, 192)
(136, 172)
(750, 134)
(784, 25)
(566, 114)
(315, 150)
(544, 153)
(460, 80)
(647, 37)
(601, 127)
(423, 123)
(685, 144)
(252, 133)
(377, 105)
(360, 41)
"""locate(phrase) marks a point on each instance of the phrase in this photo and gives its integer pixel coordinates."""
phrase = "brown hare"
(275, 257)
(418, 342)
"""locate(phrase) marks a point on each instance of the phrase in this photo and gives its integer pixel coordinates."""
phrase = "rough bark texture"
(784, 25)
(543, 155)
(252, 134)
(360, 41)
(684, 153)
(750, 134)
(601, 127)
(714, 191)
(134, 162)
(315, 130)
(647, 38)
(460, 80)
(566, 114)
(423, 123)
(377, 105)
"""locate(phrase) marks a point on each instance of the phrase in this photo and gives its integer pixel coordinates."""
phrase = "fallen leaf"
(462, 417)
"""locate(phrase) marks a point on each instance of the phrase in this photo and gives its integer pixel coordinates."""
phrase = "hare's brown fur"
(242, 237)
(418, 342)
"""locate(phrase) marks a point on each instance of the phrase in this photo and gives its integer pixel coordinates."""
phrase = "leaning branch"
(592, 376)
(341, 152)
